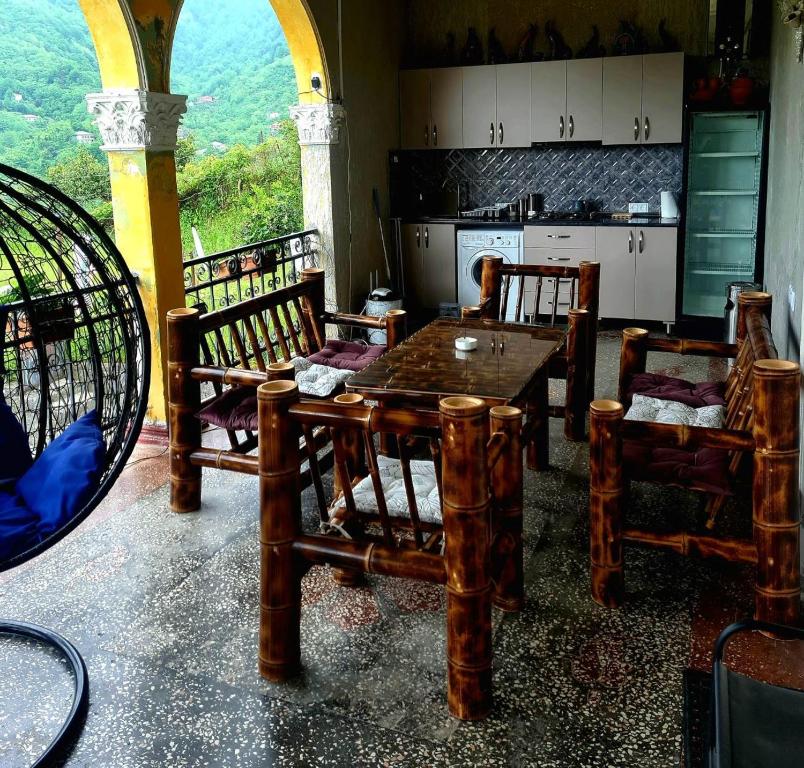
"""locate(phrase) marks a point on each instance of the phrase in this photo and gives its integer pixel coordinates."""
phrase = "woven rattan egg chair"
(74, 340)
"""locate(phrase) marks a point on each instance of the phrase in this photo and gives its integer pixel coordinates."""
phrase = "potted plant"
(54, 314)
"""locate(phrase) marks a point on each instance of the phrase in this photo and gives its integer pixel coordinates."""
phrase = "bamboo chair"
(762, 395)
(558, 293)
(471, 542)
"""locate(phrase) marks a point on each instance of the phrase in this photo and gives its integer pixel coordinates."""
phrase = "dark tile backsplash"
(612, 177)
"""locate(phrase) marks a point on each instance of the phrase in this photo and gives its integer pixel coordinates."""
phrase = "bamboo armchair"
(557, 291)
(761, 419)
(472, 545)
(242, 346)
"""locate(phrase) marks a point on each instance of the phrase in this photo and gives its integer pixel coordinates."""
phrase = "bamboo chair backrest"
(537, 293)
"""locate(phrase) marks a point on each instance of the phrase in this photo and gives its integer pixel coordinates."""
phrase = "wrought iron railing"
(229, 277)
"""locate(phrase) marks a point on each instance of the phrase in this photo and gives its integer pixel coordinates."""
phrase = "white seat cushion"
(318, 380)
(644, 408)
(425, 487)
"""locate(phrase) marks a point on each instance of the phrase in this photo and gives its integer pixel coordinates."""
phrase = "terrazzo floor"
(164, 609)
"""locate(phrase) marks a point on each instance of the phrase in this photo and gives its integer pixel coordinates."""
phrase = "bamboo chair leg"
(714, 504)
(184, 400)
(775, 492)
(538, 448)
(606, 502)
(465, 505)
(506, 484)
(577, 353)
(280, 523)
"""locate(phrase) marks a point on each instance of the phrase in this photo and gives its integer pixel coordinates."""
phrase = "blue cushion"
(62, 480)
(18, 526)
(15, 453)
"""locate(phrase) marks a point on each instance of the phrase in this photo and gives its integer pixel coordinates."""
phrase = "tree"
(83, 177)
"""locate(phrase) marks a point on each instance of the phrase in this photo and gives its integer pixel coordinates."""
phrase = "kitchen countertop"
(517, 223)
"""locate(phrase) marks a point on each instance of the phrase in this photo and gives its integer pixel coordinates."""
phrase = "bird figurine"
(593, 48)
(558, 48)
(524, 51)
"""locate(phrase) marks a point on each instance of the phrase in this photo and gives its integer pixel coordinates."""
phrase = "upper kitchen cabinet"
(431, 108)
(480, 107)
(566, 100)
(414, 108)
(643, 99)
(513, 105)
(446, 108)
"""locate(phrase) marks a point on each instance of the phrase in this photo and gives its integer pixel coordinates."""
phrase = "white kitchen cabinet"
(643, 99)
(662, 98)
(513, 105)
(446, 108)
(584, 113)
(429, 258)
(480, 107)
(614, 249)
(548, 101)
(655, 278)
(414, 108)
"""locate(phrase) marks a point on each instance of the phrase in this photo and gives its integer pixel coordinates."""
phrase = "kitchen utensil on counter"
(535, 203)
(669, 206)
(465, 343)
(523, 208)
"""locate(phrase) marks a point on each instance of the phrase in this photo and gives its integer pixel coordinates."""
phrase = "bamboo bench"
(761, 397)
(470, 541)
(576, 290)
(243, 345)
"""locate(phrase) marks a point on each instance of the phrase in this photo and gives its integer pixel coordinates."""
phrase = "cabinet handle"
(647, 129)
(561, 126)
(558, 258)
(558, 237)
(435, 135)
(571, 126)
(501, 134)
(427, 237)
(630, 242)
(426, 135)
(491, 134)
(418, 237)
(636, 129)
(641, 241)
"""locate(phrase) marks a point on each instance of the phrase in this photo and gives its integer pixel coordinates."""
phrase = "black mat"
(697, 690)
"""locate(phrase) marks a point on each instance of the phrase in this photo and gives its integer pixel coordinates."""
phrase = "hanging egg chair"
(74, 365)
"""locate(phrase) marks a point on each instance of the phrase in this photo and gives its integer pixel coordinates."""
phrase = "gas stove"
(569, 216)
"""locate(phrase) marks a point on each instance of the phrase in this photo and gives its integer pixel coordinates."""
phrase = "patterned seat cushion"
(236, 408)
(425, 487)
(706, 469)
(347, 355)
(695, 395)
(671, 412)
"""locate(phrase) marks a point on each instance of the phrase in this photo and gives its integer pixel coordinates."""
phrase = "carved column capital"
(318, 123)
(135, 119)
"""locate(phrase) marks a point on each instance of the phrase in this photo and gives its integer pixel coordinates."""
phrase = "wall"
(784, 231)
(372, 45)
(429, 22)
(611, 177)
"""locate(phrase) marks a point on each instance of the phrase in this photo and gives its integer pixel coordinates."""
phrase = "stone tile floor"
(164, 609)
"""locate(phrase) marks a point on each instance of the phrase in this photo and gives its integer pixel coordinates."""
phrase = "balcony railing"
(220, 279)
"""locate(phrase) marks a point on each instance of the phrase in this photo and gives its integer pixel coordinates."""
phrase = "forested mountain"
(231, 50)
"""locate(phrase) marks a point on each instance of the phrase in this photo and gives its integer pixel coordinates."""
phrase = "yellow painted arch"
(116, 44)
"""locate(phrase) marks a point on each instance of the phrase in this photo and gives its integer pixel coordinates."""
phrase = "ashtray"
(465, 343)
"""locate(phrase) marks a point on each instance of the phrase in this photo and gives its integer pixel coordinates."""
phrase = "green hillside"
(232, 50)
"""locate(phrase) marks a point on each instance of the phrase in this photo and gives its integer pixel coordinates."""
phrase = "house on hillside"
(84, 137)
(219, 146)
(206, 100)
(17, 97)
(31, 118)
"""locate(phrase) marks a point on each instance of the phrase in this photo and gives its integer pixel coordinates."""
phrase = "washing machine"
(473, 245)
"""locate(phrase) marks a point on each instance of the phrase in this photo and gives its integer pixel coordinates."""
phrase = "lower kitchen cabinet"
(429, 257)
(637, 272)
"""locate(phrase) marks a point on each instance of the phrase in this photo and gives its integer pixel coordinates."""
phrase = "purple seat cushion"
(679, 390)
(233, 409)
(706, 469)
(347, 355)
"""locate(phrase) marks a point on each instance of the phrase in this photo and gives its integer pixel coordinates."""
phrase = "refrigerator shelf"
(722, 233)
(725, 154)
(723, 192)
(723, 268)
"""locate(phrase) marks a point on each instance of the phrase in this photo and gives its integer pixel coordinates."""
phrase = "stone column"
(325, 189)
(138, 129)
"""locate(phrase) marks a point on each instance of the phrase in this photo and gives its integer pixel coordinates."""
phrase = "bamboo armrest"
(361, 321)
(693, 347)
(682, 436)
(239, 376)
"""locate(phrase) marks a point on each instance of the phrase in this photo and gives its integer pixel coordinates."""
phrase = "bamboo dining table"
(509, 367)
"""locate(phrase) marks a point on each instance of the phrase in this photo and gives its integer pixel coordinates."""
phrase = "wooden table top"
(507, 361)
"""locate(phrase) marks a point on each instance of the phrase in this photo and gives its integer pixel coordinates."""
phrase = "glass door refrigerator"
(724, 213)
